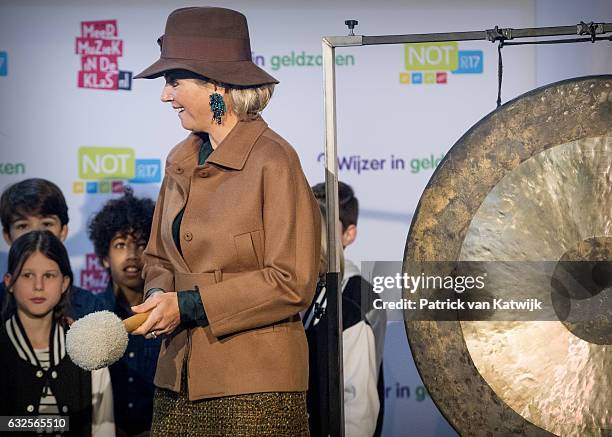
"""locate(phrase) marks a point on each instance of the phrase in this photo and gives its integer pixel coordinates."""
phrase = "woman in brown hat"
(234, 248)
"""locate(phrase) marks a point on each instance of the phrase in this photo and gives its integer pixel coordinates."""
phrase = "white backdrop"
(46, 117)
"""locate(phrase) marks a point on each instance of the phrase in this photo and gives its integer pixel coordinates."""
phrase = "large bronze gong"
(532, 181)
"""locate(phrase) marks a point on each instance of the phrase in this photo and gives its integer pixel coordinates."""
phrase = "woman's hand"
(164, 318)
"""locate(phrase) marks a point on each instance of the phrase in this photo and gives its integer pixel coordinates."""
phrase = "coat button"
(130, 405)
(131, 355)
(64, 409)
(39, 374)
(188, 236)
(30, 408)
(54, 374)
(130, 379)
(204, 174)
(179, 170)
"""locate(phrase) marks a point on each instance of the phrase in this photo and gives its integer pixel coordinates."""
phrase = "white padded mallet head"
(100, 339)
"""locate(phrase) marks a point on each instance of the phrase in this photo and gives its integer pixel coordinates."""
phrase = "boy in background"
(120, 232)
(353, 283)
(39, 205)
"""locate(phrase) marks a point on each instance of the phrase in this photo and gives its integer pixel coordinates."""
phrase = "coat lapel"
(236, 147)
(232, 153)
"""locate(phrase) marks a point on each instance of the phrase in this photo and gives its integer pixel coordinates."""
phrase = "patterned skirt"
(275, 414)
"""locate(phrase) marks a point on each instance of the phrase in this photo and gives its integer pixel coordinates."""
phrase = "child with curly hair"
(120, 232)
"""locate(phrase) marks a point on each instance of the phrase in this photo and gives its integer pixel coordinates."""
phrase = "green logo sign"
(419, 164)
(97, 163)
(12, 168)
(439, 56)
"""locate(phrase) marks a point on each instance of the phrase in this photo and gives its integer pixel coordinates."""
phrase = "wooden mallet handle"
(134, 322)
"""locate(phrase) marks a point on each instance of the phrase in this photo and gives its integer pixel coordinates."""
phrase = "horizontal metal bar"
(544, 31)
(424, 37)
(490, 34)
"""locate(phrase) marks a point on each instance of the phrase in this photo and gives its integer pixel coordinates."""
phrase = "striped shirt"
(48, 403)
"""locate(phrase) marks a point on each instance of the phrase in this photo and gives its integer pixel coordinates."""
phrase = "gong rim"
(436, 234)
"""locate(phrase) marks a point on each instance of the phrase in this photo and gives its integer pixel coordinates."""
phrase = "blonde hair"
(247, 103)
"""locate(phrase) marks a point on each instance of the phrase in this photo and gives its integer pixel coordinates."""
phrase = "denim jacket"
(132, 376)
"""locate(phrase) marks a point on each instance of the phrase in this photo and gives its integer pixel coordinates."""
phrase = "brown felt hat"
(211, 42)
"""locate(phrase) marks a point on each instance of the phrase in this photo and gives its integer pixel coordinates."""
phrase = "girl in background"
(38, 378)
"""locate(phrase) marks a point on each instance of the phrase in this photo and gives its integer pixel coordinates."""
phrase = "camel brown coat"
(250, 241)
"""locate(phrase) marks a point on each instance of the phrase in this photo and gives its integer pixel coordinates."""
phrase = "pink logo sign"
(100, 48)
(94, 277)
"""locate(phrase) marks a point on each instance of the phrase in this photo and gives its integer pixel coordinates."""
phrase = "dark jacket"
(316, 324)
(365, 392)
(22, 379)
(132, 376)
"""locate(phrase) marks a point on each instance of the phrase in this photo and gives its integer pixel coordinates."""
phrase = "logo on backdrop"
(11, 168)
(299, 59)
(3, 64)
(431, 63)
(401, 391)
(107, 169)
(360, 164)
(94, 277)
(100, 50)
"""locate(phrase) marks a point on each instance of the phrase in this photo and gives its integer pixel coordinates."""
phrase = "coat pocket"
(249, 250)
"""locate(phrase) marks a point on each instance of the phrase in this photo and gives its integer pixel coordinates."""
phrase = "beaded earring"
(217, 106)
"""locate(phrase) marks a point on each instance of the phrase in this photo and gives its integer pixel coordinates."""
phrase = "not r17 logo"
(147, 171)
(470, 62)
(438, 56)
(97, 163)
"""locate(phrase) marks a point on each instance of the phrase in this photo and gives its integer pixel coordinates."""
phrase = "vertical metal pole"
(334, 292)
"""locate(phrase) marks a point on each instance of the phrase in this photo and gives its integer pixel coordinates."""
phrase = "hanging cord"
(502, 43)
(500, 70)
(501, 35)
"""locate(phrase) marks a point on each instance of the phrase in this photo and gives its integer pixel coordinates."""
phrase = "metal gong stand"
(503, 36)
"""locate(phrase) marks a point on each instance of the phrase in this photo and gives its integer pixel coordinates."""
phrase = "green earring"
(217, 107)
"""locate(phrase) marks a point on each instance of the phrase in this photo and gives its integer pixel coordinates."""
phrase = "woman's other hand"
(164, 317)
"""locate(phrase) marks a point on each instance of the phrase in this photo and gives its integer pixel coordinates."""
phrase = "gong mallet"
(100, 339)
